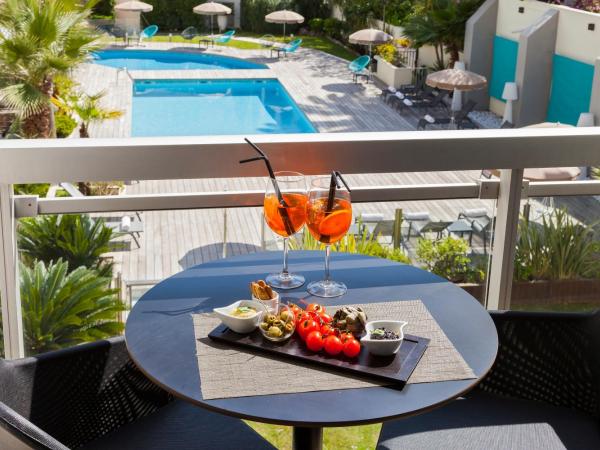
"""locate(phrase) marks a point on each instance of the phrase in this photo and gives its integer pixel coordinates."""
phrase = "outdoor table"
(461, 227)
(207, 42)
(160, 338)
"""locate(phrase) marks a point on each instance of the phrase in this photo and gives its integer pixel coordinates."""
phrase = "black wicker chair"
(542, 393)
(93, 396)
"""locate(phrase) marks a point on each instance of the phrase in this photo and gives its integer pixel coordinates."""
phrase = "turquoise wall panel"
(504, 66)
(571, 90)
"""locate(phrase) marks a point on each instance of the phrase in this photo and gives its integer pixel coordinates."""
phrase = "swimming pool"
(169, 60)
(214, 107)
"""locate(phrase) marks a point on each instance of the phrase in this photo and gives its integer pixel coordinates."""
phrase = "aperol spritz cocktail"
(286, 218)
(328, 218)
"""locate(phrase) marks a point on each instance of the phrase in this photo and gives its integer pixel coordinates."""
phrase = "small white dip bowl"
(383, 347)
(240, 324)
(270, 304)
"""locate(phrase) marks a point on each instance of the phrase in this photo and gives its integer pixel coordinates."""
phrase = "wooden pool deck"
(322, 86)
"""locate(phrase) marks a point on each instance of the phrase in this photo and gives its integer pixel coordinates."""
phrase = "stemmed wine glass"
(328, 218)
(286, 218)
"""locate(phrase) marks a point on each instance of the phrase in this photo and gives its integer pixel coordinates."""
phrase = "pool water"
(169, 60)
(214, 107)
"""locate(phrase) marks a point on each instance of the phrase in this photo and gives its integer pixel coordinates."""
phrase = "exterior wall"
(534, 70)
(479, 38)
(575, 87)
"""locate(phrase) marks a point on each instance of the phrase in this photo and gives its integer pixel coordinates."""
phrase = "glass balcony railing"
(501, 239)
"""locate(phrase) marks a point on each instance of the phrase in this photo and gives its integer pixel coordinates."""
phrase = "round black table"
(160, 337)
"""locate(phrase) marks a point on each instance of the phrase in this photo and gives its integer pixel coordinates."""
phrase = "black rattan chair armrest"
(548, 357)
(80, 393)
(17, 432)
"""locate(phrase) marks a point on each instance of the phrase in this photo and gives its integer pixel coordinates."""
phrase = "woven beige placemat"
(234, 372)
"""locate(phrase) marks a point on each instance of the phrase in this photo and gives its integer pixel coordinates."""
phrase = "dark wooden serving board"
(394, 369)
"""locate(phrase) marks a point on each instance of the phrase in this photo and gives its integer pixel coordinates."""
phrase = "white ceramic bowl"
(241, 325)
(270, 304)
(383, 347)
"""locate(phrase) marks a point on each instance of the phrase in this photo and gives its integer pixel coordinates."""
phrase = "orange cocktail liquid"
(276, 217)
(328, 226)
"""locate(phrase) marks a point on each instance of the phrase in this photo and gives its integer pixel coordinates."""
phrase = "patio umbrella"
(134, 6)
(370, 37)
(456, 79)
(450, 79)
(284, 16)
(212, 9)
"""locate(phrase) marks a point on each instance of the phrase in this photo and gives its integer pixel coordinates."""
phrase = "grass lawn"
(314, 42)
(355, 438)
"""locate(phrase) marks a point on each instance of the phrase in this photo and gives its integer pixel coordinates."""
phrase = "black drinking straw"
(335, 175)
(283, 211)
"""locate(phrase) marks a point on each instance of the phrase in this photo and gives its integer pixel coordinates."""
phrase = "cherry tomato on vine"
(316, 308)
(333, 345)
(306, 327)
(345, 336)
(314, 341)
(326, 330)
(351, 348)
(304, 315)
(326, 318)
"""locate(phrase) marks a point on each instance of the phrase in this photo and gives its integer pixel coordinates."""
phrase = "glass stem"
(327, 254)
(284, 272)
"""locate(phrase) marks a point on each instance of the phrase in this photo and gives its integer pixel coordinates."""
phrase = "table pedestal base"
(305, 438)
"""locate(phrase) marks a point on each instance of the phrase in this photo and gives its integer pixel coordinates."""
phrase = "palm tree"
(89, 110)
(78, 240)
(441, 23)
(62, 309)
(40, 39)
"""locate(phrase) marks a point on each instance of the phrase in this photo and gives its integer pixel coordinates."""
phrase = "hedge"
(177, 15)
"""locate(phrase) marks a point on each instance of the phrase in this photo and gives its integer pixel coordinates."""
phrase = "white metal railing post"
(12, 322)
(505, 239)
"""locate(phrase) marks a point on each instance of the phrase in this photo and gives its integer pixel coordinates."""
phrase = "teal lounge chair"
(189, 34)
(148, 33)
(358, 67)
(224, 38)
(289, 48)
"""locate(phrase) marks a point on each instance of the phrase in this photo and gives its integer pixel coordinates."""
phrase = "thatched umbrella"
(212, 9)
(462, 80)
(284, 16)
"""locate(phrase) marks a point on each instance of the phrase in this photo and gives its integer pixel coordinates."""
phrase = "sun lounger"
(461, 118)
(130, 226)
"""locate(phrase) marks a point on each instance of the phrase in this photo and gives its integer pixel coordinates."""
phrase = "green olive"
(285, 315)
(271, 318)
(275, 332)
(289, 327)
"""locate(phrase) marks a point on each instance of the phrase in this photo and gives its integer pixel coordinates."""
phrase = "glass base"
(326, 289)
(285, 281)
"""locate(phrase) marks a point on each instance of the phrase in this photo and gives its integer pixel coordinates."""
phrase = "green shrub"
(311, 9)
(40, 189)
(316, 25)
(76, 239)
(335, 28)
(363, 244)
(177, 15)
(557, 249)
(62, 309)
(104, 8)
(64, 124)
(448, 258)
